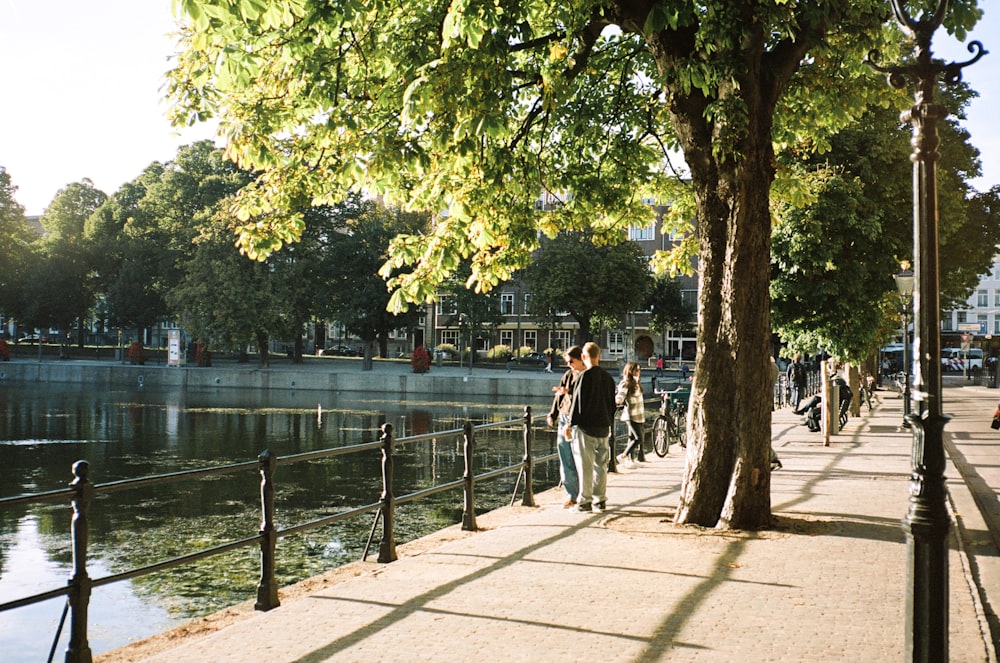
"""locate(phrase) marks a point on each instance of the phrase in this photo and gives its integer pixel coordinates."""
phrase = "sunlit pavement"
(827, 583)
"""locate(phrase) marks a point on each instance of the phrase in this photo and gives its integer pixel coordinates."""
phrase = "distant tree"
(67, 214)
(15, 240)
(359, 297)
(62, 287)
(135, 256)
(477, 313)
(570, 273)
(667, 307)
(844, 224)
(225, 300)
(147, 229)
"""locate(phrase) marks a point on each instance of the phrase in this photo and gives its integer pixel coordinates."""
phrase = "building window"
(527, 304)
(962, 315)
(640, 233)
(996, 325)
(996, 297)
(507, 337)
(447, 305)
(449, 336)
(531, 339)
(560, 339)
(982, 298)
(616, 342)
(690, 299)
(984, 322)
(946, 321)
(507, 303)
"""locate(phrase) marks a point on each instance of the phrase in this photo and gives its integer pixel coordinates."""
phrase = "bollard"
(387, 546)
(528, 498)
(78, 650)
(469, 481)
(267, 589)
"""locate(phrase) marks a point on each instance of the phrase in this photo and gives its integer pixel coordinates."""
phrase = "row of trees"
(162, 248)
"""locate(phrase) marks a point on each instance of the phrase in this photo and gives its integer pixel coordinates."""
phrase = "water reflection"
(126, 434)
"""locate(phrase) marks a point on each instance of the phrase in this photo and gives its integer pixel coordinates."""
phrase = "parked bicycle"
(670, 426)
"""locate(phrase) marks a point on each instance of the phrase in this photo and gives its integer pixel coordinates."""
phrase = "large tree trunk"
(727, 474)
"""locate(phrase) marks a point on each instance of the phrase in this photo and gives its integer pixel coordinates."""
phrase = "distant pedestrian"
(684, 371)
(629, 398)
(659, 366)
(559, 415)
(548, 361)
(591, 418)
(796, 375)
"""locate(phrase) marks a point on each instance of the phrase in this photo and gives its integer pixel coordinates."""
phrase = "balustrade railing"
(81, 493)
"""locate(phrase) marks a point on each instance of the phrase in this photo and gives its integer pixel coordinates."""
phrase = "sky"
(83, 80)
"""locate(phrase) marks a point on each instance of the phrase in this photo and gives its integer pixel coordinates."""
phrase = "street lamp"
(926, 523)
(904, 284)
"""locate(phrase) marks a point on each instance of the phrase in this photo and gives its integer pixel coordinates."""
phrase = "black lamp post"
(904, 284)
(926, 522)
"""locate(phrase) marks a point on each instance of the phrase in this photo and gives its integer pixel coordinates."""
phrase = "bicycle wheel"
(661, 436)
(678, 427)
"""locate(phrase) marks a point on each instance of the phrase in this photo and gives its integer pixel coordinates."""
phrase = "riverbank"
(324, 374)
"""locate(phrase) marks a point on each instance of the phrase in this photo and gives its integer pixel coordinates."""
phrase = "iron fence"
(82, 492)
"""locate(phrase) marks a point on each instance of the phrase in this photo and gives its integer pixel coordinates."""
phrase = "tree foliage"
(591, 283)
(57, 289)
(355, 250)
(667, 307)
(834, 256)
(15, 241)
(147, 229)
(476, 107)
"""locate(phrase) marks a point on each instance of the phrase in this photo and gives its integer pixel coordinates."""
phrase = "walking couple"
(583, 409)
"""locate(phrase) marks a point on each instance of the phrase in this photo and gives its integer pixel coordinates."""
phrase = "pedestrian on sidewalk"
(796, 376)
(549, 357)
(559, 415)
(629, 398)
(591, 419)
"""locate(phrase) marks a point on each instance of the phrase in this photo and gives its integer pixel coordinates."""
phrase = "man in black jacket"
(591, 419)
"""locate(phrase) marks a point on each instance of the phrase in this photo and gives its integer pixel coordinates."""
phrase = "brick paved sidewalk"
(543, 584)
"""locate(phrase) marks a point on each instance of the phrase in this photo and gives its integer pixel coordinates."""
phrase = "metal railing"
(81, 493)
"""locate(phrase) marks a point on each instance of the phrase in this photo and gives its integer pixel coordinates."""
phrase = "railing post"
(78, 650)
(387, 547)
(529, 433)
(469, 480)
(267, 590)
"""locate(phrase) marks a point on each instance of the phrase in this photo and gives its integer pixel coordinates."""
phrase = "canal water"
(126, 434)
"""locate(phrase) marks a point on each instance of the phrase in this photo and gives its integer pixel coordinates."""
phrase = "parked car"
(341, 351)
(31, 338)
(531, 359)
